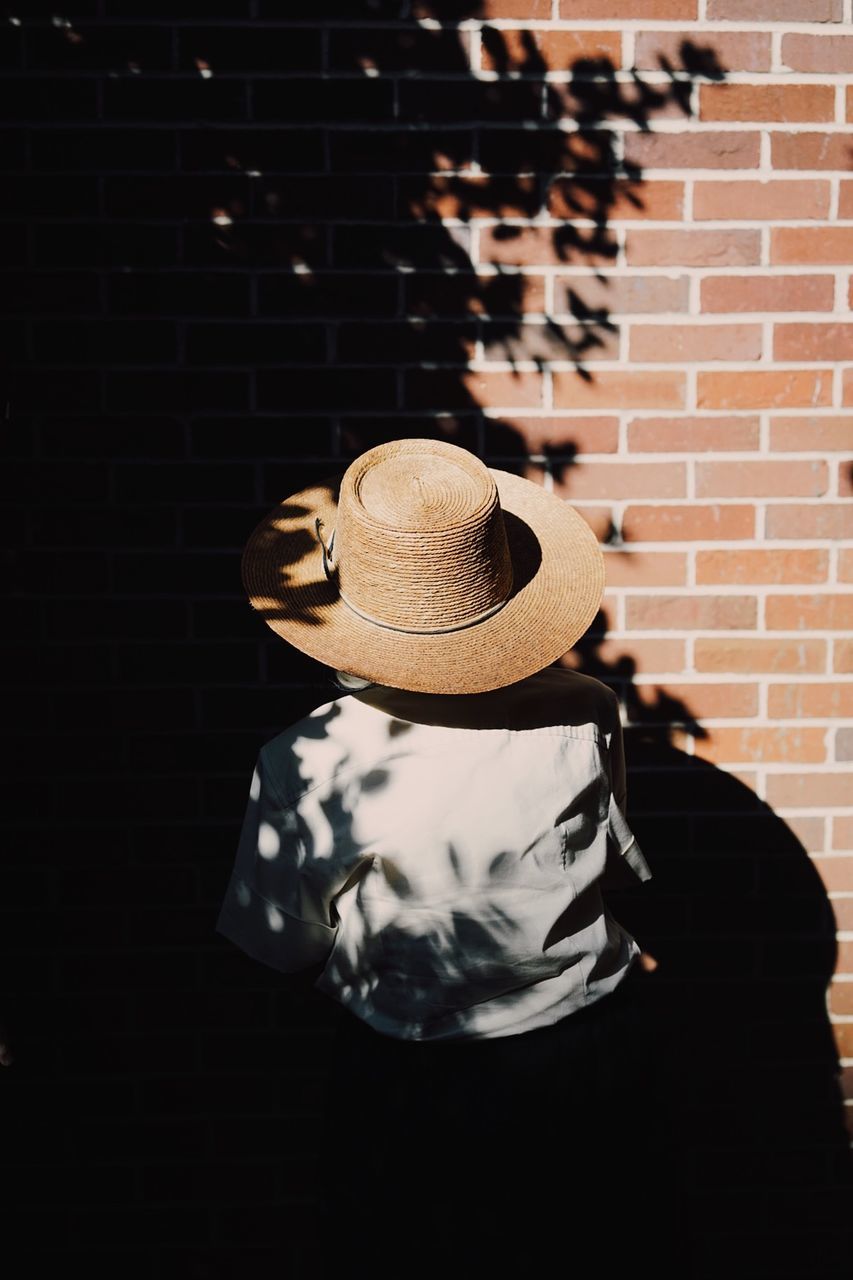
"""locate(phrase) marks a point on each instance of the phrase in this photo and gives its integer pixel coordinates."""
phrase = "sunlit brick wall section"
(603, 244)
(715, 432)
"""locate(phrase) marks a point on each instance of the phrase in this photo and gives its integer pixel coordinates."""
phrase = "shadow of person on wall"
(739, 922)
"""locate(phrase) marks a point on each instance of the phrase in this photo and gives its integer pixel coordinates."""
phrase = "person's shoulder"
(575, 694)
(309, 751)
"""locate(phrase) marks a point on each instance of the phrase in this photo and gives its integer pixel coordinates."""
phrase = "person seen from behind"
(433, 847)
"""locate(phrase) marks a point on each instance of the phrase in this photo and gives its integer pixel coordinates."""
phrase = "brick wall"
(604, 244)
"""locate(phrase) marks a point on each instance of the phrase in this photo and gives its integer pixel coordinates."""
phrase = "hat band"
(427, 631)
(329, 568)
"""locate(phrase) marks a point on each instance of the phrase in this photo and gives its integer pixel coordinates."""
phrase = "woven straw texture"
(447, 576)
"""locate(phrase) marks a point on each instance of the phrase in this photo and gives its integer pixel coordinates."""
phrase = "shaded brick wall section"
(604, 245)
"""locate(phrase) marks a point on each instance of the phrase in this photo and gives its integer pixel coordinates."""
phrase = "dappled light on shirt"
(449, 874)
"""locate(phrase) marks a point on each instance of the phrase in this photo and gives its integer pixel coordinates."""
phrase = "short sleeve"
(620, 837)
(270, 909)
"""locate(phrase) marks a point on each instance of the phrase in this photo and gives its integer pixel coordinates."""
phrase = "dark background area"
(225, 273)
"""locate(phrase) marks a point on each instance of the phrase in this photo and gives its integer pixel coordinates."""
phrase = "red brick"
(778, 102)
(823, 435)
(785, 389)
(609, 610)
(842, 831)
(761, 479)
(631, 101)
(660, 390)
(687, 523)
(536, 9)
(763, 745)
(843, 912)
(533, 471)
(844, 964)
(848, 115)
(823, 54)
(845, 479)
(804, 701)
(617, 480)
(743, 567)
(803, 341)
(747, 655)
(469, 196)
(690, 612)
(776, 10)
(844, 744)
(587, 153)
(810, 151)
(829, 245)
(843, 656)
(703, 700)
(843, 1031)
(845, 202)
(824, 520)
(741, 248)
(599, 519)
(822, 612)
(845, 564)
(847, 384)
(622, 295)
(768, 293)
(746, 777)
(695, 343)
(505, 390)
(691, 435)
(535, 246)
(657, 10)
(841, 998)
(437, 300)
(558, 49)
(765, 201)
(662, 201)
(808, 790)
(735, 50)
(540, 340)
(558, 435)
(836, 875)
(809, 830)
(726, 149)
(645, 568)
(647, 657)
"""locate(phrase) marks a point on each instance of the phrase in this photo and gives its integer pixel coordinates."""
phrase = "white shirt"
(443, 855)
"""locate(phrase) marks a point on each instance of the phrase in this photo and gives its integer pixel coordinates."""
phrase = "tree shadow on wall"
(745, 937)
(412, 250)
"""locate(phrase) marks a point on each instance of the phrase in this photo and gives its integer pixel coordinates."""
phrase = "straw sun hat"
(423, 569)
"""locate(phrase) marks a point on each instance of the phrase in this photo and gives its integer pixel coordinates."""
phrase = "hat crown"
(420, 543)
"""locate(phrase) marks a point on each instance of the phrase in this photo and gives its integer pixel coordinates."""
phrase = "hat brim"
(558, 581)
